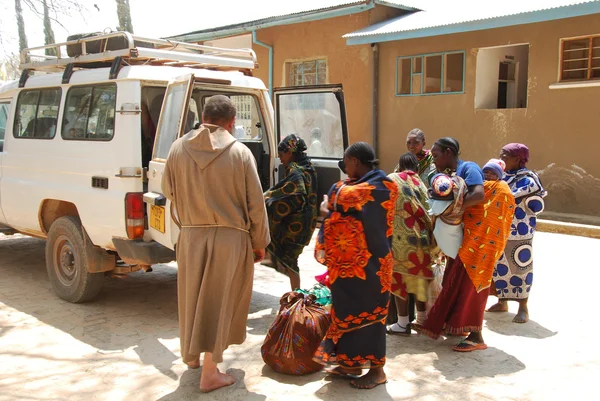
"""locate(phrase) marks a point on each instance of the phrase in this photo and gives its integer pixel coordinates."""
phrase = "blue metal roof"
(287, 12)
(442, 17)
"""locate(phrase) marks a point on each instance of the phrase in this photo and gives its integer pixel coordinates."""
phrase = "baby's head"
(494, 170)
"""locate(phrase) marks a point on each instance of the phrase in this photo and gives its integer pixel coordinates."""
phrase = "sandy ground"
(125, 345)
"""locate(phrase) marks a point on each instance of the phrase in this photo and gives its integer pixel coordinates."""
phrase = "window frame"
(18, 113)
(205, 95)
(423, 73)
(8, 110)
(590, 68)
(92, 86)
(288, 66)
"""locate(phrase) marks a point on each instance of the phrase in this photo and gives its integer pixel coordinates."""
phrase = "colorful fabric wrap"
(486, 231)
(292, 210)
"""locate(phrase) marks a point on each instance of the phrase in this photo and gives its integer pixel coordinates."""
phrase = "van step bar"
(136, 50)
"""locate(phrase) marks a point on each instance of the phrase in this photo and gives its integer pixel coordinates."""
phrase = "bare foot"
(216, 381)
(372, 379)
(522, 316)
(499, 307)
(352, 373)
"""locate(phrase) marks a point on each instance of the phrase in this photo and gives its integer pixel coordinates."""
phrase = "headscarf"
(519, 150)
(292, 143)
(497, 166)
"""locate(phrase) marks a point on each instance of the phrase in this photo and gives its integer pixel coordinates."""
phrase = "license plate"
(157, 218)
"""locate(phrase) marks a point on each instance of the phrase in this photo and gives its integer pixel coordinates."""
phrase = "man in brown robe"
(213, 182)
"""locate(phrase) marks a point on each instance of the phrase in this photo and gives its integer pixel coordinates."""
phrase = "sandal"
(397, 330)
(368, 385)
(468, 346)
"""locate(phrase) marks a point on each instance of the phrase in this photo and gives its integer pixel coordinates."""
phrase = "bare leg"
(501, 306)
(401, 306)
(211, 379)
(523, 313)
(373, 378)
(476, 337)
(294, 279)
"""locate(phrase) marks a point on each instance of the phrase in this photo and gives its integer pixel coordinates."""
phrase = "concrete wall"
(560, 126)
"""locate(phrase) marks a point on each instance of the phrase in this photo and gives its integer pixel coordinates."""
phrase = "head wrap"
(497, 166)
(292, 143)
(518, 150)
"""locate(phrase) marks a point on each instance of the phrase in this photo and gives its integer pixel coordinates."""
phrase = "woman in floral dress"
(355, 244)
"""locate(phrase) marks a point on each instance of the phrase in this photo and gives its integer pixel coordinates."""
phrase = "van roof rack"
(102, 50)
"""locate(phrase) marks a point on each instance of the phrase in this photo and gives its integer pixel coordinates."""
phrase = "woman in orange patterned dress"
(355, 244)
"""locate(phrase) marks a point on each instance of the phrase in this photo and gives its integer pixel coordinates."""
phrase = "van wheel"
(66, 262)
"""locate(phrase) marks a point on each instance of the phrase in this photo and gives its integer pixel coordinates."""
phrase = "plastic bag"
(321, 293)
(296, 334)
(435, 286)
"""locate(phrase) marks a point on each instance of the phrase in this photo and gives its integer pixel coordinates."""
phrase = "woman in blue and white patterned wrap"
(513, 275)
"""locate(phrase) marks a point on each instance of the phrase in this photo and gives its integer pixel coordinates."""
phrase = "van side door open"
(318, 115)
(162, 228)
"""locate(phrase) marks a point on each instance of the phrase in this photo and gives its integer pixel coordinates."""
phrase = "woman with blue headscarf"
(513, 275)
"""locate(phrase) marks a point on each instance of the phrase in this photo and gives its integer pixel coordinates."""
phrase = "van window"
(169, 121)
(4, 107)
(90, 113)
(248, 124)
(37, 113)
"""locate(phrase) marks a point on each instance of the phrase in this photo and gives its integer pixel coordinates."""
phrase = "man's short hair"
(217, 109)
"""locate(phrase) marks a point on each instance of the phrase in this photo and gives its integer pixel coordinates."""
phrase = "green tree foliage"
(124, 14)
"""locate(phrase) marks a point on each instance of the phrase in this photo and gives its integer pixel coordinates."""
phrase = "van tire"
(67, 262)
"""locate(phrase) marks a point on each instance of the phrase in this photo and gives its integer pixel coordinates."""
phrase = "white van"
(84, 137)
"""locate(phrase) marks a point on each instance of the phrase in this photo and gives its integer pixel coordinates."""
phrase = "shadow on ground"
(502, 323)
(118, 318)
(189, 389)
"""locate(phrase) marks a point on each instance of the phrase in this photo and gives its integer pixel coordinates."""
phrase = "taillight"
(134, 214)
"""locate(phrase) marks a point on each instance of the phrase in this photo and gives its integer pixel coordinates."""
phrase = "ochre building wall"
(560, 126)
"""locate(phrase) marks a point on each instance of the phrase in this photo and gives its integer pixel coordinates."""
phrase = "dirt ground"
(125, 345)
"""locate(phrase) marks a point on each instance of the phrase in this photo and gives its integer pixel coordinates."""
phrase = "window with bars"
(580, 59)
(430, 74)
(303, 73)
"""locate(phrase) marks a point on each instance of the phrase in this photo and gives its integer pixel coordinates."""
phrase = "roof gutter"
(576, 10)
(246, 28)
(270, 48)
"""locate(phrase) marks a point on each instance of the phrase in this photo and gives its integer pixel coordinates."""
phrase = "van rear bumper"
(139, 252)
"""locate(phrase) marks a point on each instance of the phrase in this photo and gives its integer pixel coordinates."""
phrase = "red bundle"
(295, 335)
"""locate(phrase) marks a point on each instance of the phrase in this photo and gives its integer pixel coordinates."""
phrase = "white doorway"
(501, 77)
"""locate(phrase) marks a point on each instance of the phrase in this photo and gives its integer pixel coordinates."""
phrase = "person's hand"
(324, 210)
(259, 255)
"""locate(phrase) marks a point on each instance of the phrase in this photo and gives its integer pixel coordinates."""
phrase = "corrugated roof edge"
(365, 35)
(303, 16)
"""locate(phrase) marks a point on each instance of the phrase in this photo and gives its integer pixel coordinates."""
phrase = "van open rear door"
(161, 227)
(318, 115)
